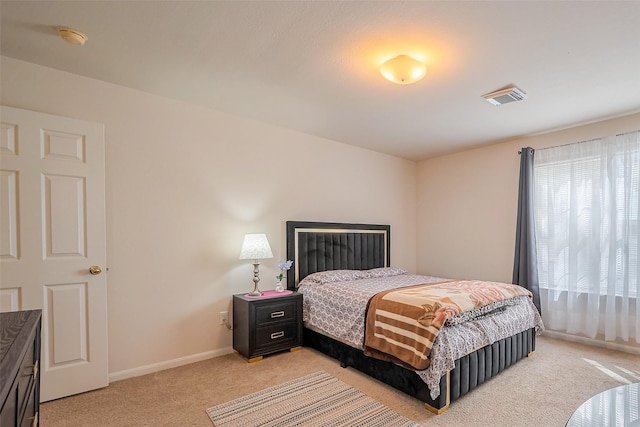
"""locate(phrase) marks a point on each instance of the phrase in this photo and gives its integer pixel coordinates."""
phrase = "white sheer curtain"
(587, 232)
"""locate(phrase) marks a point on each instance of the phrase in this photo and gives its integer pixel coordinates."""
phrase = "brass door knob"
(95, 269)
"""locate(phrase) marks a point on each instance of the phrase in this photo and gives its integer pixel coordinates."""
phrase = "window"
(587, 224)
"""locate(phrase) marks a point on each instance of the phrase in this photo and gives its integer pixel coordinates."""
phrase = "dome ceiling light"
(403, 70)
(72, 36)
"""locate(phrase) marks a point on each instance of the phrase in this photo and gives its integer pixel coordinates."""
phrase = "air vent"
(504, 96)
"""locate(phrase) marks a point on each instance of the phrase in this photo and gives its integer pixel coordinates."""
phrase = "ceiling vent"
(505, 96)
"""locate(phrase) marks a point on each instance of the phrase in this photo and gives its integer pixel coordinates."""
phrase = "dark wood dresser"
(19, 368)
(266, 325)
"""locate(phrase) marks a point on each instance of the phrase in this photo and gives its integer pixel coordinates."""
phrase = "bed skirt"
(470, 371)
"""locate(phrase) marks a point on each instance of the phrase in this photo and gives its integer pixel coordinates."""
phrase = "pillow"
(331, 276)
(386, 272)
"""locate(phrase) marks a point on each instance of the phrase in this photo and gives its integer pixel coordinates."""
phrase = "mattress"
(335, 305)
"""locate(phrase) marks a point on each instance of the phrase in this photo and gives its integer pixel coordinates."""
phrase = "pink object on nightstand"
(268, 294)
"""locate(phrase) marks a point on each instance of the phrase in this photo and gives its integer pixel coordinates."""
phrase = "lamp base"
(256, 278)
(255, 293)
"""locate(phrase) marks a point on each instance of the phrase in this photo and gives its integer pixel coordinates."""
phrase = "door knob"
(95, 269)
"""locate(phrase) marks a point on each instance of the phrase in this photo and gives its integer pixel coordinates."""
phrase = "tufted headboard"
(322, 246)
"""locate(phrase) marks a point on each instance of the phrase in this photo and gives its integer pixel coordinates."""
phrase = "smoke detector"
(505, 96)
(72, 36)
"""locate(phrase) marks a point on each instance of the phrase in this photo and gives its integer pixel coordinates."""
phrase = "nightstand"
(267, 324)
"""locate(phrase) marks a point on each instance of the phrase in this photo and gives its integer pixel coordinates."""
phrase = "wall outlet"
(224, 317)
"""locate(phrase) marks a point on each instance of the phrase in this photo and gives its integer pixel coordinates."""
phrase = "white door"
(52, 230)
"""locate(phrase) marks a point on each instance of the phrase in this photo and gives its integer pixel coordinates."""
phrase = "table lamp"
(255, 247)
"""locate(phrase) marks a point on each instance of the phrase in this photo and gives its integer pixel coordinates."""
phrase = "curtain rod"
(581, 142)
(520, 151)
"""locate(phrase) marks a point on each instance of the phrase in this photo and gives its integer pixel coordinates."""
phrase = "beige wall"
(184, 184)
(467, 203)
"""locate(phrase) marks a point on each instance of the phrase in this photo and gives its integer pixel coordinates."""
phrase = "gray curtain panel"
(525, 265)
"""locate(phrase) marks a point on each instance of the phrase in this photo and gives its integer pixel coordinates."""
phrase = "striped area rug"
(314, 400)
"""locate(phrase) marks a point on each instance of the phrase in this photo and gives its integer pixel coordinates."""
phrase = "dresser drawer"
(9, 413)
(30, 417)
(26, 376)
(276, 312)
(19, 368)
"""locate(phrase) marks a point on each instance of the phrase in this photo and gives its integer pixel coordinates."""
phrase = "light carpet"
(317, 399)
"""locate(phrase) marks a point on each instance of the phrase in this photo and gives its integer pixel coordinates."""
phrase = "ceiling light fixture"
(403, 70)
(72, 36)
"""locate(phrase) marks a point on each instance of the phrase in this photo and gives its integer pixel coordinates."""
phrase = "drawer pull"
(276, 335)
(33, 370)
(34, 419)
(277, 314)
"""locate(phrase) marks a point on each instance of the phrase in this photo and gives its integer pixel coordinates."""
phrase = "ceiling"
(313, 66)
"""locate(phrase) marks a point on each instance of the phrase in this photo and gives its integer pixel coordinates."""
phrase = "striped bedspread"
(403, 323)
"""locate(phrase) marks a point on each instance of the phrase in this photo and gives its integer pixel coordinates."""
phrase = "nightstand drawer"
(276, 334)
(276, 312)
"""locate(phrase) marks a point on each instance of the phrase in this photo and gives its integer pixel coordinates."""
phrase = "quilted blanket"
(402, 324)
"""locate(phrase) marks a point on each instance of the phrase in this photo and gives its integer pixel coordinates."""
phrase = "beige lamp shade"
(403, 70)
(255, 246)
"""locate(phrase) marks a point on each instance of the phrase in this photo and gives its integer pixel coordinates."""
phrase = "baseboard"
(161, 366)
(589, 341)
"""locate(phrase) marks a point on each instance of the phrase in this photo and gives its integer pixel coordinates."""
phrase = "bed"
(317, 247)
